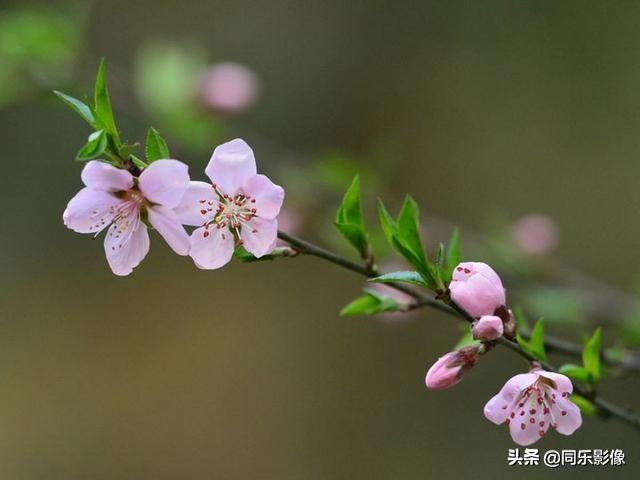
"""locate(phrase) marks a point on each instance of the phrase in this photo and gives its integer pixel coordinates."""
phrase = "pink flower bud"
(450, 368)
(477, 289)
(488, 328)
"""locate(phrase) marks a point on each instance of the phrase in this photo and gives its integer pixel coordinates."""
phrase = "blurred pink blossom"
(229, 87)
(477, 288)
(535, 234)
(531, 402)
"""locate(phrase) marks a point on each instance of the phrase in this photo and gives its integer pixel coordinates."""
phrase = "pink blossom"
(488, 328)
(113, 197)
(535, 234)
(451, 367)
(229, 87)
(477, 288)
(531, 402)
(239, 205)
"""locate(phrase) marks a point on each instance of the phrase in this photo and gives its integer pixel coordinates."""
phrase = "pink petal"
(566, 415)
(165, 221)
(259, 236)
(231, 165)
(563, 384)
(525, 429)
(211, 248)
(164, 182)
(494, 410)
(126, 244)
(268, 196)
(507, 396)
(198, 205)
(90, 210)
(102, 176)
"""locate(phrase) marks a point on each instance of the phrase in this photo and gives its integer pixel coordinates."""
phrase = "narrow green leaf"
(369, 304)
(586, 406)
(408, 230)
(466, 340)
(452, 256)
(349, 219)
(95, 146)
(576, 372)
(156, 148)
(535, 345)
(102, 105)
(591, 355)
(79, 107)
(400, 277)
(387, 222)
(521, 321)
(138, 162)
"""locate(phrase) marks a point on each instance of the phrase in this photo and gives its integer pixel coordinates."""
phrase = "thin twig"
(606, 409)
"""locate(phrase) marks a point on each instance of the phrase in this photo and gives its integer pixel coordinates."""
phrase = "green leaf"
(156, 148)
(576, 372)
(591, 355)
(521, 321)
(369, 304)
(349, 219)
(586, 406)
(408, 231)
(452, 256)
(79, 107)
(387, 222)
(127, 149)
(535, 345)
(95, 146)
(102, 105)
(138, 162)
(400, 277)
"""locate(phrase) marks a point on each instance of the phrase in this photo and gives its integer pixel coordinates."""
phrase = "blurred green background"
(483, 111)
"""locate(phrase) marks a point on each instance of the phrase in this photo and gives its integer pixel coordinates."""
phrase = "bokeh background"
(483, 111)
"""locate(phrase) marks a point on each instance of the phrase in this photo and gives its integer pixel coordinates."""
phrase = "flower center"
(232, 212)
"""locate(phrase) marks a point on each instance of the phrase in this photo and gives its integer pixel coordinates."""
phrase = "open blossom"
(488, 328)
(531, 402)
(451, 367)
(240, 205)
(476, 287)
(114, 198)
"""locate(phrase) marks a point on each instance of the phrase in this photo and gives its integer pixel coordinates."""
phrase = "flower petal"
(231, 165)
(102, 176)
(566, 415)
(562, 382)
(268, 196)
(198, 205)
(165, 221)
(164, 182)
(90, 210)
(259, 236)
(126, 243)
(509, 393)
(211, 248)
(525, 427)
(498, 408)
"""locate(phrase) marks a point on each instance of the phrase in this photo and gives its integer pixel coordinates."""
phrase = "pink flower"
(114, 197)
(451, 367)
(477, 288)
(531, 402)
(488, 328)
(239, 205)
(229, 87)
(535, 234)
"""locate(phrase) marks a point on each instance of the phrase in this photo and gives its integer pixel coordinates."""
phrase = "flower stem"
(606, 409)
